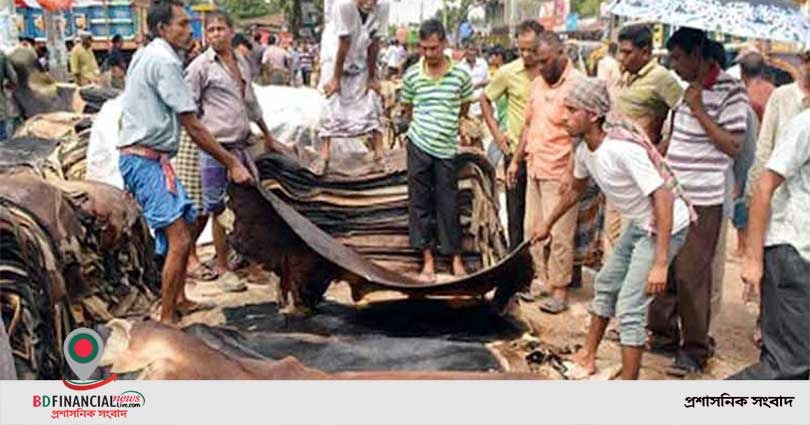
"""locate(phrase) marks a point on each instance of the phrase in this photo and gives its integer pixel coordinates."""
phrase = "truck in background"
(102, 18)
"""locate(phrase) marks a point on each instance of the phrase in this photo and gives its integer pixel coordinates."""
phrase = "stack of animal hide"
(75, 253)
(366, 208)
(70, 131)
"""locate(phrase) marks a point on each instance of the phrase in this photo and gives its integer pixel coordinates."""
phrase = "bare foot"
(427, 276)
(585, 360)
(295, 311)
(193, 263)
(378, 165)
(458, 266)
(378, 156)
(428, 273)
(319, 166)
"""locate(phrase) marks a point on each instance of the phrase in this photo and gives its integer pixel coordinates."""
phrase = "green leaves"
(251, 8)
(586, 7)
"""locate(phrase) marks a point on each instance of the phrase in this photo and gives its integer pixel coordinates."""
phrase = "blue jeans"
(620, 287)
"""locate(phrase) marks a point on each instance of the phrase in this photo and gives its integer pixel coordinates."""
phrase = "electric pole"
(57, 53)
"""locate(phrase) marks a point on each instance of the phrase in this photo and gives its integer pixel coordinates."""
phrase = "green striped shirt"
(436, 107)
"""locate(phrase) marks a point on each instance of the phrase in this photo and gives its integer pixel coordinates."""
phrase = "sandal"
(236, 261)
(554, 306)
(203, 273)
(537, 289)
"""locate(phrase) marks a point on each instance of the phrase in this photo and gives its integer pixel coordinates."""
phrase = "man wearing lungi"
(219, 81)
(156, 102)
(349, 50)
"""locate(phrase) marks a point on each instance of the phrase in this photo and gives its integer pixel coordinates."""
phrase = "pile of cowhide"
(74, 253)
(365, 206)
(150, 350)
(308, 259)
(70, 131)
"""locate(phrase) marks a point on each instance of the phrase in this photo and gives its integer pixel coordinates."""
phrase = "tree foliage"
(453, 13)
(242, 9)
(586, 7)
(250, 8)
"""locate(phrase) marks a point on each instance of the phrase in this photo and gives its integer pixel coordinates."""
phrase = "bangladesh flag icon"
(83, 349)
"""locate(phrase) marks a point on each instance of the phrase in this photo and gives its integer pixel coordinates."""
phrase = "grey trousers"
(785, 318)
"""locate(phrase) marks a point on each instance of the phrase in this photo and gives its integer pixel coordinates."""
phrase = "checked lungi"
(187, 166)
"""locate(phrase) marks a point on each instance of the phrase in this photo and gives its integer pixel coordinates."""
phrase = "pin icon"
(83, 349)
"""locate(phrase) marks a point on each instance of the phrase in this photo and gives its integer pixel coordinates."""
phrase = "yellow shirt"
(83, 64)
(511, 80)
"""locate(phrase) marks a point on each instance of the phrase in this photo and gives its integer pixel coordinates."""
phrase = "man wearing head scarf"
(624, 163)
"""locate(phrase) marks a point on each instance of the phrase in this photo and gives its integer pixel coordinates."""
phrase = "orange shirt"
(759, 91)
(548, 148)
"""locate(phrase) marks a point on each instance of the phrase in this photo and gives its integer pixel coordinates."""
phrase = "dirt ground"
(732, 327)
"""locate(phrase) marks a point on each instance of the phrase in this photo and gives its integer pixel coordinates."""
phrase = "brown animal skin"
(159, 351)
(307, 260)
(304, 275)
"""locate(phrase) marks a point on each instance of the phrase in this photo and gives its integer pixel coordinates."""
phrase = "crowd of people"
(676, 151)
